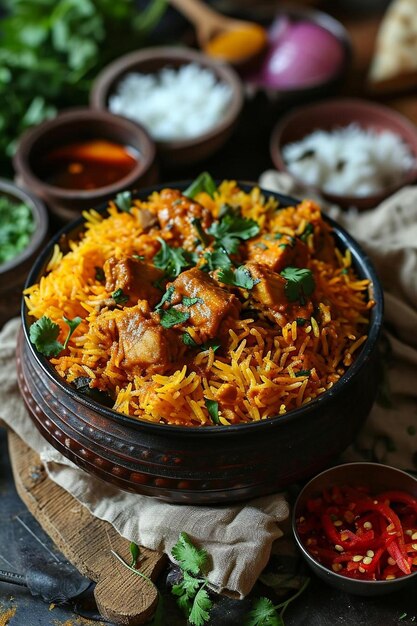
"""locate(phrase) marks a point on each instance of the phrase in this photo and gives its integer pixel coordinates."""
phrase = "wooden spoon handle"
(205, 20)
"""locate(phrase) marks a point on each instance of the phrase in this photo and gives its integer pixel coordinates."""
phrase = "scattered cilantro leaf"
(134, 553)
(167, 297)
(172, 317)
(189, 341)
(199, 613)
(231, 230)
(241, 277)
(172, 260)
(44, 334)
(344, 271)
(202, 235)
(213, 409)
(123, 201)
(99, 275)
(301, 321)
(263, 613)
(308, 230)
(72, 326)
(203, 182)
(119, 297)
(300, 283)
(217, 259)
(303, 373)
(190, 301)
(278, 236)
(138, 257)
(190, 558)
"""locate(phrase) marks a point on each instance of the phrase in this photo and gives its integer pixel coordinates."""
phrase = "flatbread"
(394, 66)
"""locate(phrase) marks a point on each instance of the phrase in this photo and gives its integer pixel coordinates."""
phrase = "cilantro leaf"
(213, 409)
(123, 201)
(301, 321)
(217, 259)
(167, 297)
(99, 275)
(190, 301)
(172, 317)
(72, 326)
(263, 613)
(199, 613)
(303, 373)
(188, 585)
(202, 235)
(44, 334)
(189, 341)
(308, 230)
(241, 277)
(203, 182)
(231, 230)
(190, 558)
(119, 297)
(172, 260)
(300, 283)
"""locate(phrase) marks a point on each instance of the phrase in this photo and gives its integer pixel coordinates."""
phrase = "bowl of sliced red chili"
(356, 526)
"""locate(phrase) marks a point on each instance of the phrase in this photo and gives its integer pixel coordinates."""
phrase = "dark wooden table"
(244, 157)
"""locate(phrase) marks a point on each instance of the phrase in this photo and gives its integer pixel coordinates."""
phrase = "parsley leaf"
(189, 341)
(241, 277)
(217, 259)
(190, 558)
(172, 317)
(119, 297)
(167, 297)
(203, 182)
(44, 334)
(172, 260)
(123, 201)
(300, 283)
(213, 409)
(231, 230)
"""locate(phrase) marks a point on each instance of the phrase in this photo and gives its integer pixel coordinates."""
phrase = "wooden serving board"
(86, 541)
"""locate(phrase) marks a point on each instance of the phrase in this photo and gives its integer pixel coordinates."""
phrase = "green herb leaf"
(190, 558)
(43, 334)
(172, 317)
(217, 259)
(72, 326)
(301, 321)
(190, 301)
(300, 283)
(203, 182)
(135, 553)
(119, 297)
(263, 613)
(303, 373)
(199, 613)
(309, 229)
(231, 230)
(202, 235)
(189, 341)
(167, 297)
(123, 201)
(241, 277)
(172, 260)
(213, 409)
(138, 257)
(99, 275)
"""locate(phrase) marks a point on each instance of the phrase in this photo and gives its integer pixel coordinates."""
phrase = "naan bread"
(394, 65)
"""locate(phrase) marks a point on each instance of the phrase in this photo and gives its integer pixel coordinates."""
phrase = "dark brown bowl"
(378, 478)
(210, 464)
(152, 60)
(74, 125)
(13, 273)
(337, 113)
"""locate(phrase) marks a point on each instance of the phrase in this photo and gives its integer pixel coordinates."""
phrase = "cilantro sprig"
(44, 335)
(217, 259)
(172, 260)
(300, 284)
(240, 277)
(172, 317)
(191, 592)
(203, 182)
(231, 230)
(265, 613)
(123, 201)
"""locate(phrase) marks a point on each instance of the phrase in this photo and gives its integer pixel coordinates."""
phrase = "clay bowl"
(210, 464)
(151, 61)
(338, 113)
(74, 125)
(378, 478)
(13, 273)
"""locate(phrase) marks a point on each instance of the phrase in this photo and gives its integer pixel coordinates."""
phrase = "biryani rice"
(264, 370)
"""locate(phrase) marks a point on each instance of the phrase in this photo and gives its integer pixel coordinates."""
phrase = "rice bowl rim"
(111, 76)
(360, 261)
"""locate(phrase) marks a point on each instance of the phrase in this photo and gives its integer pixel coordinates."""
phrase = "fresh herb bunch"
(16, 228)
(50, 50)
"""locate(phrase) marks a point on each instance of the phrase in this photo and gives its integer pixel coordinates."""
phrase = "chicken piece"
(213, 306)
(134, 277)
(269, 292)
(277, 252)
(143, 344)
(177, 215)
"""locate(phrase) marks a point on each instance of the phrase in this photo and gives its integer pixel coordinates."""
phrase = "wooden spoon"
(212, 27)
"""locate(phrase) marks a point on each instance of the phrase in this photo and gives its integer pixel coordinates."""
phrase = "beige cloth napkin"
(239, 538)
(389, 234)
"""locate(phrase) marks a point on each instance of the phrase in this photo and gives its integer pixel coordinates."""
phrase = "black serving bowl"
(201, 465)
